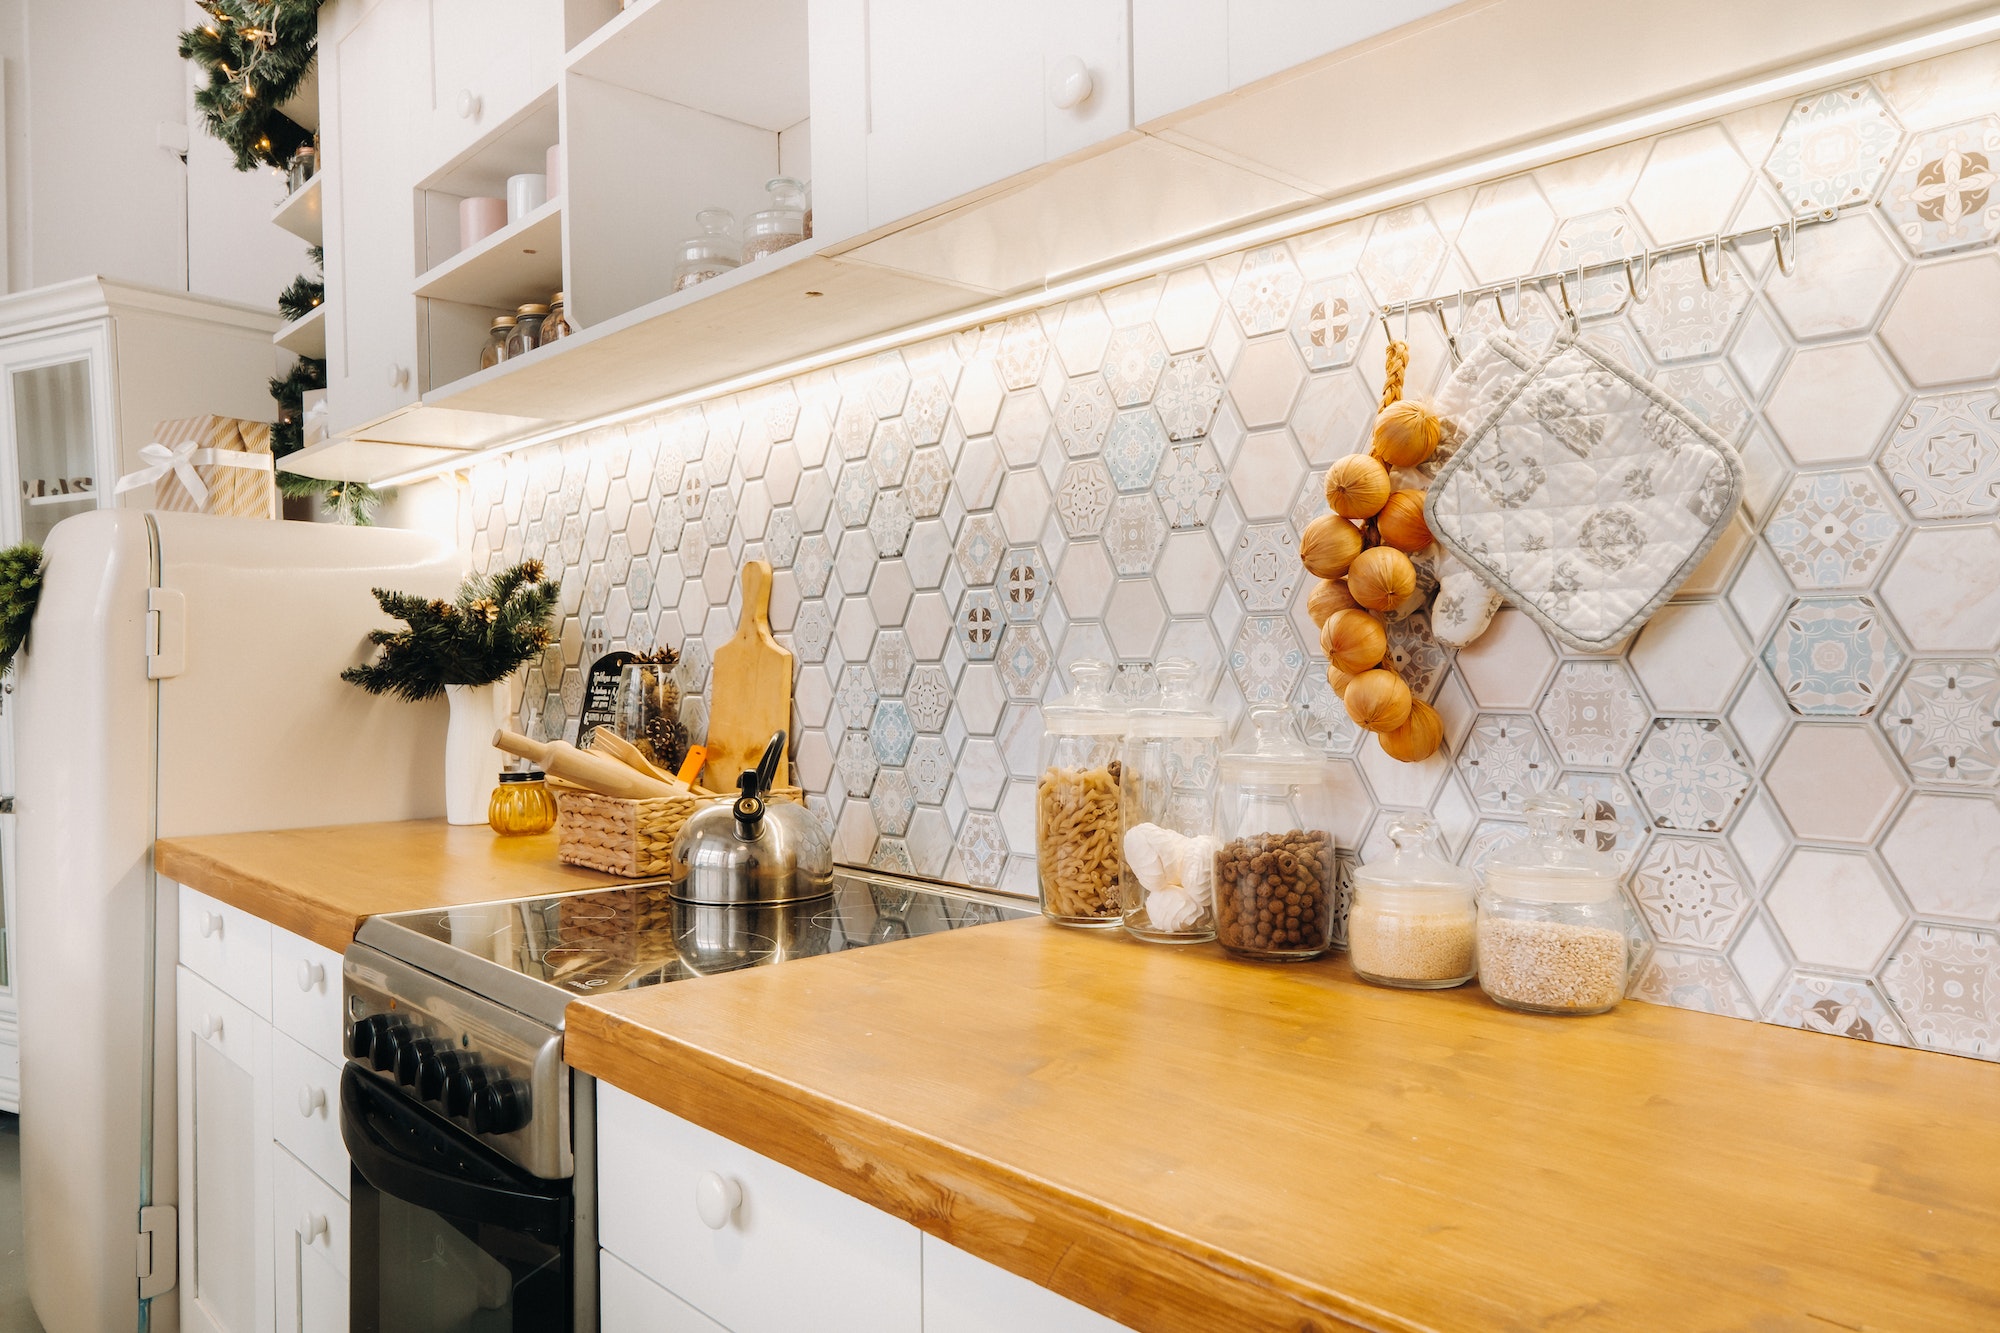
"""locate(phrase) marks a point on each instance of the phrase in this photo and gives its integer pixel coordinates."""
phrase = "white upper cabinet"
(1187, 51)
(962, 95)
(489, 59)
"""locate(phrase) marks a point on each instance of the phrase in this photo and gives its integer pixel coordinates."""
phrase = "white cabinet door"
(223, 1058)
(309, 1238)
(965, 1294)
(375, 98)
(489, 58)
(629, 1302)
(784, 1252)
(305, 994)
(960, 93)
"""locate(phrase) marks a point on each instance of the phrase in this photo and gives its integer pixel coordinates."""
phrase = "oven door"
(446, 1235)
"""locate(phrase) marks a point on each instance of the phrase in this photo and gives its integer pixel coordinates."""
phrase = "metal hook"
(1437, 308)
(1388, 334)
(1640, 287)
(1562, 289)
(1709, 280)
(1500, 306)
(1785, 240)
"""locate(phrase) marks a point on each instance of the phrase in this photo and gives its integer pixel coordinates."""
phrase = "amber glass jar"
(521, 804)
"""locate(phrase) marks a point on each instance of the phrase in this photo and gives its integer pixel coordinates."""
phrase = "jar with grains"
(1076, 802)
(557, 326)
(1413, 916)
(711, 252)
(495, 350)
(1274, 870)
(526, 335)
(1554, 932)
(769, 230)
(1167, 810)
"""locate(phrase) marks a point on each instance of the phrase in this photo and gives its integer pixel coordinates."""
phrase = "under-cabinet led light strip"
(1707, 107)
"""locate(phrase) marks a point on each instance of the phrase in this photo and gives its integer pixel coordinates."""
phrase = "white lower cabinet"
(630, 1302)
(223, 1062)
(965, 1294)
(309, 1242)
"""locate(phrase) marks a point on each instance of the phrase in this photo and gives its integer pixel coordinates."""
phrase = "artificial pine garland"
(20, 590)
(497, 623)
(255, 52)
(301, 298)
(350, 501)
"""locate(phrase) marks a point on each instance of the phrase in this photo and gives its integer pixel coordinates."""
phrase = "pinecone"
(664, 740)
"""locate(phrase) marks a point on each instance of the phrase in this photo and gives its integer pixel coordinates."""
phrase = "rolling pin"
(600, 773)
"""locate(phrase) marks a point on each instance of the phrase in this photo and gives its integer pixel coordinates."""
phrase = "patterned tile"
(1265, 567)
(1403, 255)
(1612, 819)
(1944, 456)
(1025, 662)
(1709, 393)
(1489, 838)
(1944, 721)
(1132, 364)
(979, 624)
(1083, 415)
(857, 764)
(1134, 533)
(1597, 238)
(854, 494)
(891, 661)
(981, 850)
(1266, 288)
(1689, 775)
(855, 696)
(1266, 659)
(892, 733)
(1833, 529)
(893, 802)
(1504, 760)
(889, 523)
(1945, 984)
(1838, 1006)
(1083, 497)
(1690, 891)
(1328, 324)
(1024, 346)
(1941, 195)
(889, 453)
(927, 409)
(1133, 449)
(1024, 584)
(1593, 714)
(1189, 483)
(1834, 149)
(812, 632)
(980, 546)
(1686, 979)
(928, 695)
(1684, 317)
(1188, 395)
(1416, 655)
(1833, 655)
(1323, 719)
(929, 482)
(929, 770)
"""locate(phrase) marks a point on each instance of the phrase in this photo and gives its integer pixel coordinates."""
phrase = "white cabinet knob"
(211, 925)
(716, 1199)
(468, 104)
(399, 375)
(211, 1026)
(312, 1226)
(311, 974)
(1069, 83)
(311, 1100)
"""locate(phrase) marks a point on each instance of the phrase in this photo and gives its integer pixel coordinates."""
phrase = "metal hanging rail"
(1637, 268)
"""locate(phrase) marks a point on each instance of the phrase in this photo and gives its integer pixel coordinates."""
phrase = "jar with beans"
(1555, 935)
(1412, 918)
(1167, 801)
(1274, 871)
(1078, 864)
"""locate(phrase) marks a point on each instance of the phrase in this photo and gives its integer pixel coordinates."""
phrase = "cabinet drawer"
(965, 1294)
(305, 994)
(792, 1254)
(629, 1302)
(309, 1241)
(229, 947)
(305, 1110)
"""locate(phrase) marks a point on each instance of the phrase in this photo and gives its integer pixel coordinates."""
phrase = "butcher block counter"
(322, 883)
(1189, 1144)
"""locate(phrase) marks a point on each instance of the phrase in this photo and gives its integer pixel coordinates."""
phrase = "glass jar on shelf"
(495, 350)
(711, 252)
(302, 167)
(521, 804)
(1274, 869)
(1414, 914)
(783, 224)
(557, 324)
(1077, 860)
(1166, 805)
(1554, 932)
(526, 335)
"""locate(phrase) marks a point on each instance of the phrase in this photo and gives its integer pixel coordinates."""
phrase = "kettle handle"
(767, 767)
(751, 788)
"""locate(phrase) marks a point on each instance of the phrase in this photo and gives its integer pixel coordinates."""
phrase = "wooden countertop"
(1189, 1144)
(322, 883)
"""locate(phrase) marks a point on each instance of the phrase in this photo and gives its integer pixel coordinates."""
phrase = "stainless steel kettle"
(748, 850)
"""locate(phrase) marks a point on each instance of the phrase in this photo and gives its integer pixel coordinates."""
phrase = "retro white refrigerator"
(182, 677)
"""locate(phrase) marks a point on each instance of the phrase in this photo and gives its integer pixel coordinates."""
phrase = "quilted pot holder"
(1582, 494)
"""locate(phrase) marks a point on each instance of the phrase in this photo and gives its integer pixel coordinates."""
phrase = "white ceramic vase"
(471, 764)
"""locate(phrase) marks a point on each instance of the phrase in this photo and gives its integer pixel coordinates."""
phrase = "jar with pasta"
(1167, 805)
(1555, 936)
(1411, 922)
(1274, 869)
(1076, 802)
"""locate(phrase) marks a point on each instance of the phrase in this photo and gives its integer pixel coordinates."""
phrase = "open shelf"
(74, 497)
(300, 213)
(519, 263)
(743, 60)
(516, 145)
(306, 335)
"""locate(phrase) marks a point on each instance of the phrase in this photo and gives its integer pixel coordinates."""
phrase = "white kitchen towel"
(1581, 493)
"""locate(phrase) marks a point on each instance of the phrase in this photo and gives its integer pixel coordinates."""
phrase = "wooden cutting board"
(752, 697)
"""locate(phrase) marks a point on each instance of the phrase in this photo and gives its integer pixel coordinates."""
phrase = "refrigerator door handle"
(166, 626)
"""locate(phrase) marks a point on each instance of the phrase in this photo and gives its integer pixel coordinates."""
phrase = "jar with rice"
(1077, 830)
(1411, 923)
(1554, 931)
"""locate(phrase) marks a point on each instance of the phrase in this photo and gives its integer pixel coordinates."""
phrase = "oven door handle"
(386, 1136)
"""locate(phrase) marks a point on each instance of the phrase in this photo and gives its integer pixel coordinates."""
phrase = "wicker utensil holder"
(620, 837)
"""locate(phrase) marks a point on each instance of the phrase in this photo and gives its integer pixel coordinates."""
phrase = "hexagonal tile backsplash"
(1799, 761)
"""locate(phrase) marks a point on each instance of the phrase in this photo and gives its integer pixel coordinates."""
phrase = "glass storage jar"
(526, 335)
(1554, 932)
(1414, 914)
(1076, 802)
(1274, 871)
(1166, 803)
(557, 324)
(521, 804)
(784, 223)
(495, 350)
(711, 252)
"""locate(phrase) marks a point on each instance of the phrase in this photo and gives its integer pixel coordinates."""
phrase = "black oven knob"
(501, 1107)
(463, 1084)
(435, 1072)
(387, 1047)
(410, 1057)
(362, 1038)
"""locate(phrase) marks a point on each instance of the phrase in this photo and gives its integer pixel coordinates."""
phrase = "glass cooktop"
(536, 954)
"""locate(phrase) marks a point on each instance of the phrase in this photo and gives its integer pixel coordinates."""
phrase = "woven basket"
(620, 837)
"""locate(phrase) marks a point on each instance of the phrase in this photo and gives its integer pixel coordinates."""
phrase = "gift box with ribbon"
(209, 465)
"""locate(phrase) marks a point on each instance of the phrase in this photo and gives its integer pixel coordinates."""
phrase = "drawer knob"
(311, 1100)
(211, 1026)
(211, 925)
(399, 375)
(311, 974)
(312, 1226)
(1069, 83)
(468, 104)
(716, 1199)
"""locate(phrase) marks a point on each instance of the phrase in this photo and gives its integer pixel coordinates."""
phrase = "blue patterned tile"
(854, 495)
(1266, 659)
(891, 661)
(1024, 586)
(889, 523)
(1833, 529)
(1025, 661)
(980, 622)
(892, 733)
(1504, 761)
(1133, 449)
(1689, 774)
(1833, 655)
(930, 770)
(981, 544)
(889, 454)
(1834, 149)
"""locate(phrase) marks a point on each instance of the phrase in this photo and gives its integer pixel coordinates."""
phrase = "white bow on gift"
(182, 460)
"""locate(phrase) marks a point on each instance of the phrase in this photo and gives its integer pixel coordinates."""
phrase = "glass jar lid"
(786, 192)
(523, 775)
(1179, 710)
(503, 321)
(1414, 867)
(1276, 753)
(1089, 709)
(1553, 865)
(531, 310)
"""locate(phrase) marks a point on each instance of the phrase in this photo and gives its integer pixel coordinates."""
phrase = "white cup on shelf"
(525, 193)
